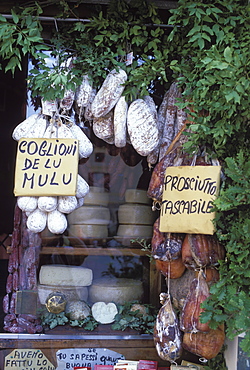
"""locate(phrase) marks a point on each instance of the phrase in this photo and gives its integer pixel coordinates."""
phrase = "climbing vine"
(205, 47)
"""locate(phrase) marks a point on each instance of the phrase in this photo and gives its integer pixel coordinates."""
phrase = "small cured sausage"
(167, 335)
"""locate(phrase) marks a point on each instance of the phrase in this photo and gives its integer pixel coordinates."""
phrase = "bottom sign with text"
(71, 358)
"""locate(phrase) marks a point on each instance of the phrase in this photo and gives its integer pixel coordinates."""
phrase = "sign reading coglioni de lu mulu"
(46, 167)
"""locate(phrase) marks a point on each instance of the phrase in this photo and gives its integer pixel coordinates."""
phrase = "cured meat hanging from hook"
(200, 250)
(206, 345)
(167, 335)
(166, 250)
(190, 315)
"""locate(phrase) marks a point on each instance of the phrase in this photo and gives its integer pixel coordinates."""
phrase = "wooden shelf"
(94, 251)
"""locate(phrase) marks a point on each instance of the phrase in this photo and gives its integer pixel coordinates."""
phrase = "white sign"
(86, 357)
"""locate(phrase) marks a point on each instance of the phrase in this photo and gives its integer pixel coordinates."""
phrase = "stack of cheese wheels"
(117, 290)
(72, 281)
(135, 216)
(92, 219)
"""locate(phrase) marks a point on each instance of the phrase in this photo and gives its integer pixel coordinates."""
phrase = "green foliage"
(21, 36)
(144, 323)
(211, 59)
(123, 320)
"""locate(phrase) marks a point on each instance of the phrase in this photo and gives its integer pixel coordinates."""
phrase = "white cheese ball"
(47, 204)
(103, 312)
(82, 187)
(67, 204)
(27, 204)
(36, 221)
(57, 222)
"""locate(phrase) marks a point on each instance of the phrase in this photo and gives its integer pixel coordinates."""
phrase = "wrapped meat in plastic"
(206, 345)
(166, 250)
(200, 250)
(190, 315)
(167, 335)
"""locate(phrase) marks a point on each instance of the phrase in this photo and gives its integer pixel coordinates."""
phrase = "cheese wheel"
(65, 275)
(89, 215)
(137, 214)
(88, 231)
(117, 290)
(96, 196)
(137, 196)
(71, 292)
(136, 231)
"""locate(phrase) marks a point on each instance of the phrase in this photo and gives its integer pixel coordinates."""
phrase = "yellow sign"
(46, 167)
(188, 195)
(23, 359)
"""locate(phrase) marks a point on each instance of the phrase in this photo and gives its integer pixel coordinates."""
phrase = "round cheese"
(136, 214)
(137, 196)
(117, 290)
(138, 231)
(96, 196)
(71, 292)
(89, 215)
(65, 275)
(88, 231)
(103, 312)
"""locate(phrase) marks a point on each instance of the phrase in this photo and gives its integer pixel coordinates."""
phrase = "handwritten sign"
(188, 195)
(86, 357)
(23, 359)
(46, 167)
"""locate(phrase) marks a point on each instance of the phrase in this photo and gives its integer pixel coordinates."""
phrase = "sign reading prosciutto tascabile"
(46, 167)
(188, 195)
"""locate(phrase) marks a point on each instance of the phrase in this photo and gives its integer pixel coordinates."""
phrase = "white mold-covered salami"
(161, 114)
(54, 130)
(38, 129)
(120, 122)
(27, 204)
(85, 147)
(67, 100)
(82, 187)
(83, 93)
(67, 204)
(47, 203)
(88, 111)
(33, 126)
(49, 107)
(36, 221)
(142, 127)
(109, 93)
(57, 222)
(103, 127)
(150, 102)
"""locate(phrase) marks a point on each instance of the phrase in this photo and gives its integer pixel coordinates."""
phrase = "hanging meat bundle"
(166, 250)
(167, 335)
